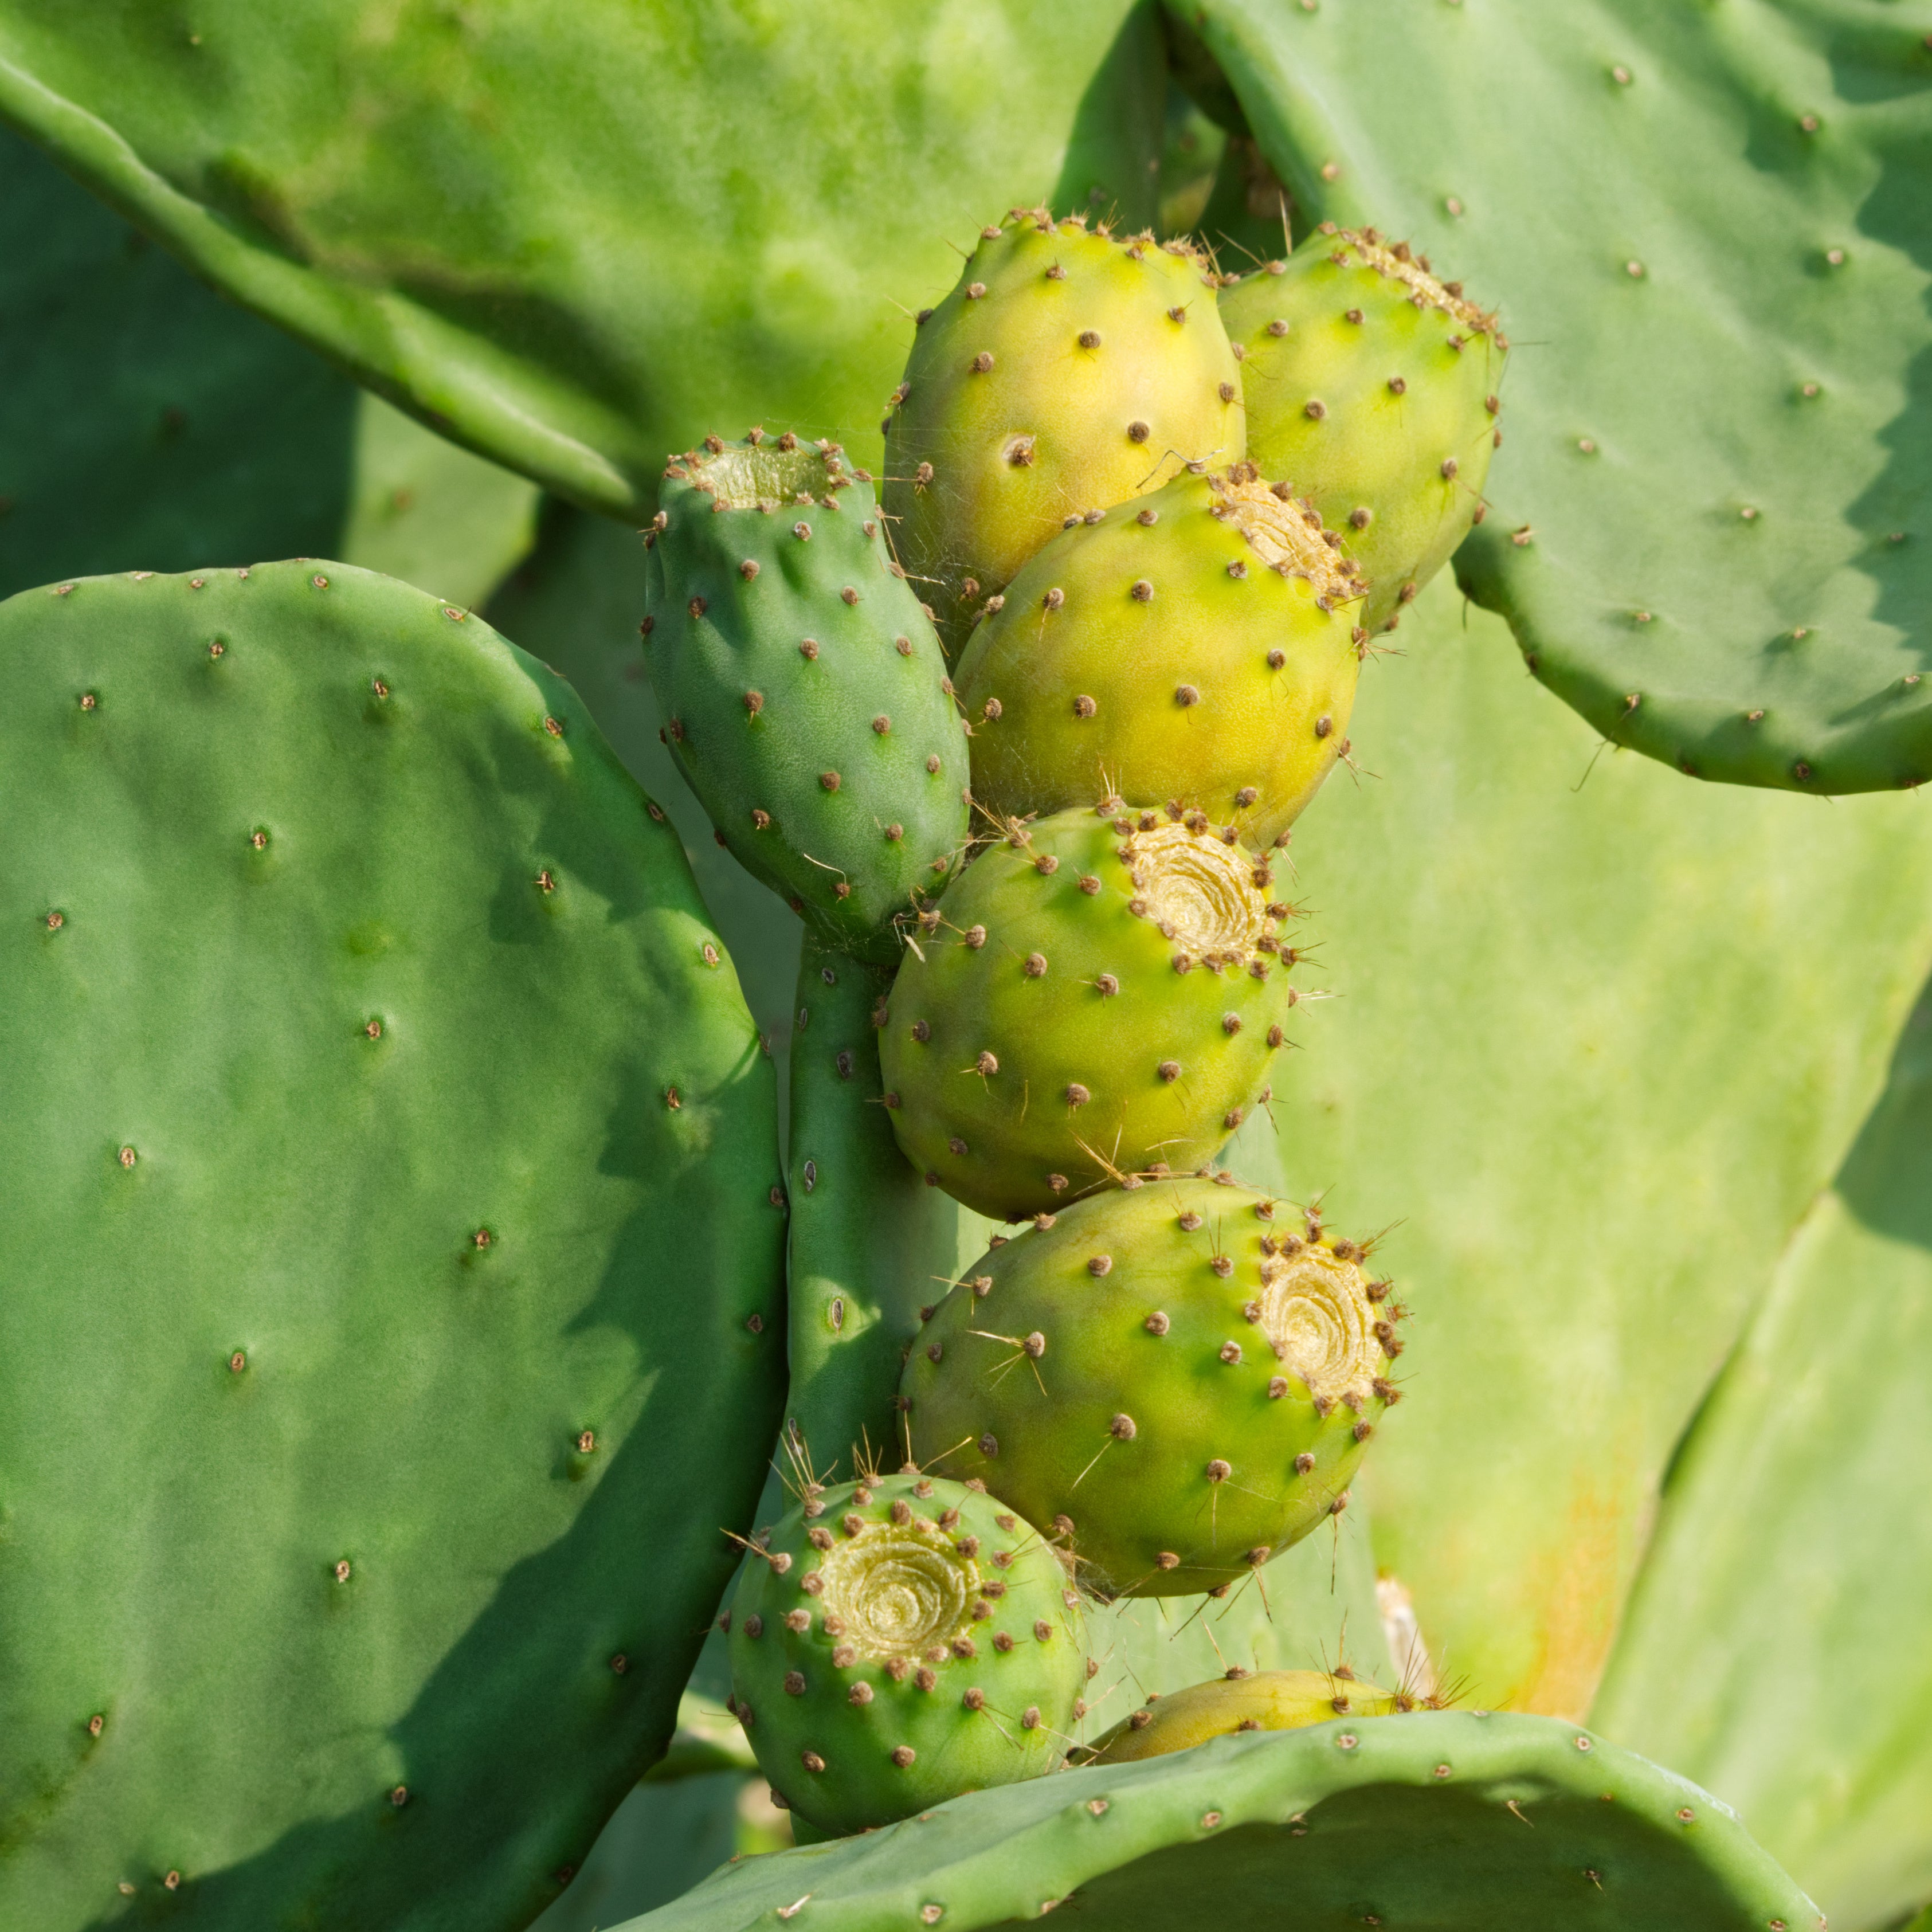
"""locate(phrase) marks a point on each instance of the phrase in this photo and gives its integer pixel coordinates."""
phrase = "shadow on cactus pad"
(1447, 1820)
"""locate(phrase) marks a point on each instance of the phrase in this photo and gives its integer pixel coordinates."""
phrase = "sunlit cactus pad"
(383, 1128)
(1453, 1821)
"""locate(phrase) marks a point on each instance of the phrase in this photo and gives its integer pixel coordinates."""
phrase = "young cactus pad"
(384, 1135)
(802, 688)
(1242, 1700)
(1196, 644)
(1182, 1376)
(1068, 371)
(1373, 387)
(1443, 1819)
(1097, 992)
(898, 1641)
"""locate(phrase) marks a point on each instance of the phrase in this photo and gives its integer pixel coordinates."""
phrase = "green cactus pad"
(390, 1251)
(1182, 1376)
(898, 1641)
(804, 697)
(1710, 522)
(574, 238)
(1096, 993)
(870, 1244)
(1809, 1459)
(1372, 388)
(1067, 370)
(1446, 1820)
(1242, 1700)
(1198, 646)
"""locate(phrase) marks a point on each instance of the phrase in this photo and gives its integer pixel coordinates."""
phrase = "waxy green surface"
(575, 237)
(391, 1255)
(1454, 1821)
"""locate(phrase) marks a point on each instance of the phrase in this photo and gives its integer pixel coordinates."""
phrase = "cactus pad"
(898, 1641)
(386, 1135)
(868, 1237)
(1182, 1376)
(1372, 388)
(1195, 645)
(1095, 993)
(1067, 370)
(1446, 1820)
(804, 698)
(1242, 1700)
(1710, 522)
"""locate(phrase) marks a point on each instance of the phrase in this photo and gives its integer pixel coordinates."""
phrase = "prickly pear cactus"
(1097, 992)
(1242, 1700)
(386, 1134)
(804, 694)
(1068, 369)
(1183, 1377)
(901, 1639)
(1198, 644)
(1458, 1821)
(1373, 387)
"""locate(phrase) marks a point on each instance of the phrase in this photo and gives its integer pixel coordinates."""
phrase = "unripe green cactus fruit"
(803, 688)
(1371, 387)
(1182, 1376)
(1196, 644)
(1099, 991)
(1260, 1700)
(898, 1641)
(1067, 371)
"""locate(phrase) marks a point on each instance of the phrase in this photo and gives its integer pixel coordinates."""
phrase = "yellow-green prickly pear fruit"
(899, 1640)
(1069, 369)
(1372, 388)
(1181, 1377)
(1100, 992)
(1197, 644)
(1263, 1700)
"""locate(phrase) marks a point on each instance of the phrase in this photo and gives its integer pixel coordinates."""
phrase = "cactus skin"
(870, 1242)
(1049, 1033)
(903, 1640)
(349, 985)
(1243, 1700)
(803, 690)
(1173, 1371)
(1326, 336)
(1010, 419)
(1441, 1819)
(1196, 644)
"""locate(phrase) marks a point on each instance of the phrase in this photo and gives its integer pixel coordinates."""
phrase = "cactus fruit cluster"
(1172, 1375)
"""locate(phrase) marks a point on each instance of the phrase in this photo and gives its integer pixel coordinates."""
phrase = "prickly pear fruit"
(1262, 1700)
(1100, 991)
(1371, 387)
(1184, 1375)
(803, 688)
(1068, 371)
(1196, 644)
(898, 1641)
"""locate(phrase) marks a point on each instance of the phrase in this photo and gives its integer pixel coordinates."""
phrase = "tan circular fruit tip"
(1396, 259)
(1287, 534)
(1199, 893)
